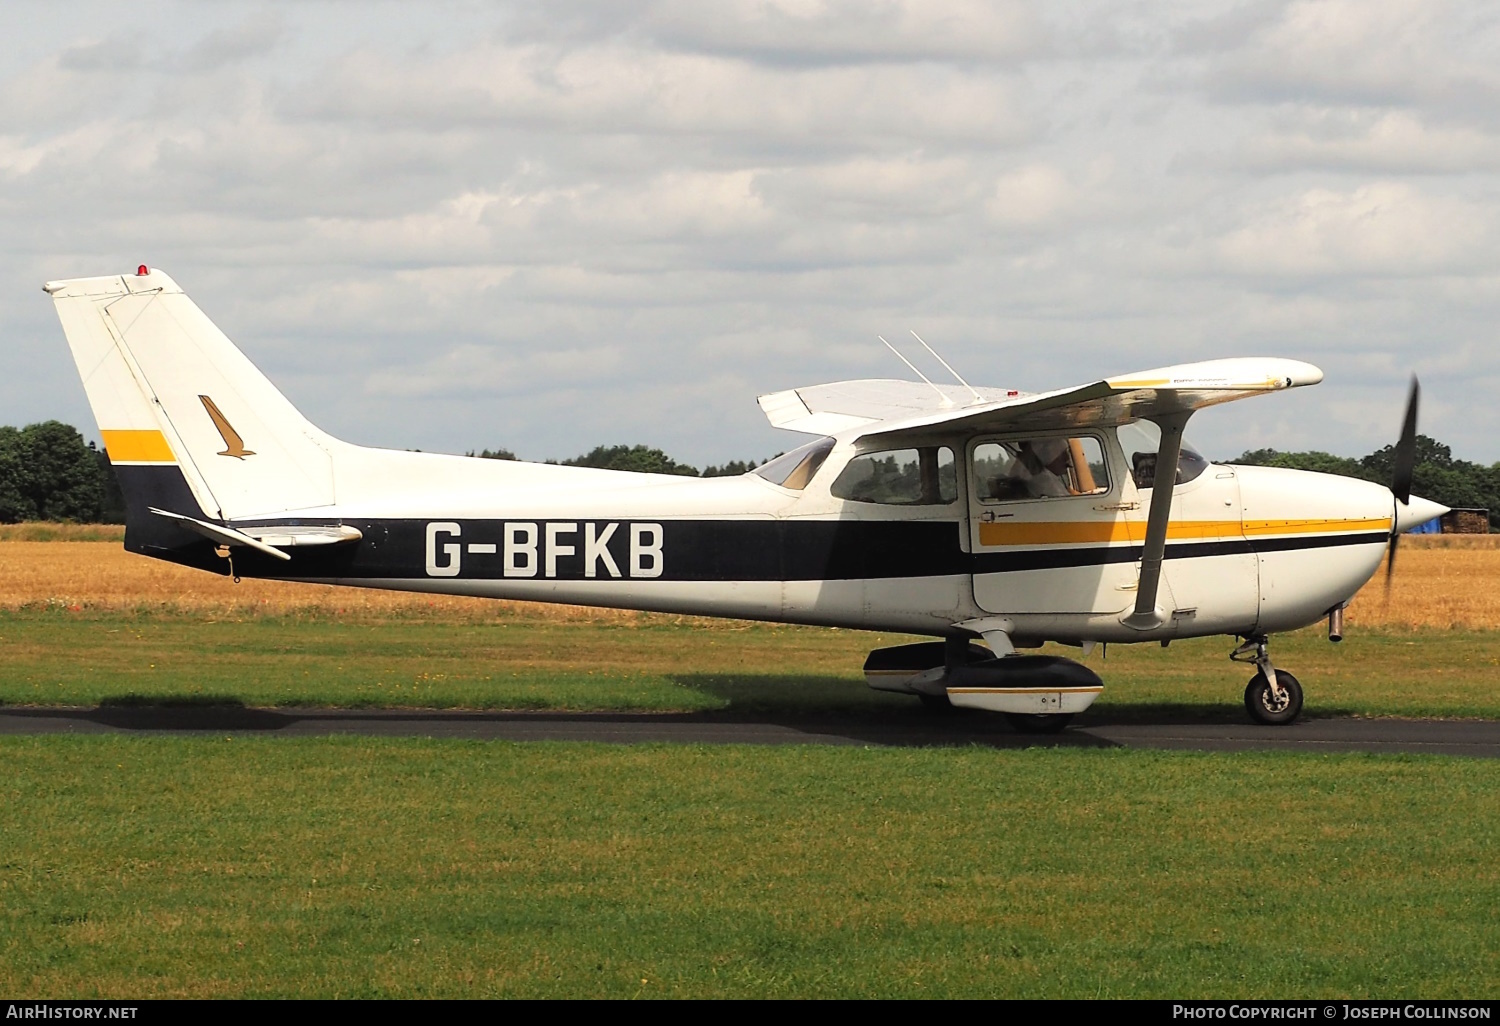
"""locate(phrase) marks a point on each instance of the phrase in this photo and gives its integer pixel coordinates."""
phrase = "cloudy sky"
(547, 226)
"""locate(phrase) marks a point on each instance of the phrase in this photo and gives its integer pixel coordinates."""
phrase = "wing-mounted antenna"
(949, 369)
(941, 394)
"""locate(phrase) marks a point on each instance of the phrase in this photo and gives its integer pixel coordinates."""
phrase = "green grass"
(261, 866)
(139, 867)
(82, 659)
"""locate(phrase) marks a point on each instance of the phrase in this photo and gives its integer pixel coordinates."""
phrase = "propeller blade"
(1390, 563)
(1403, 461)
(1405, 456)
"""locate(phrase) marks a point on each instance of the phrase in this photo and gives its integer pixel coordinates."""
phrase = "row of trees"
(48, 472)
(638, 458)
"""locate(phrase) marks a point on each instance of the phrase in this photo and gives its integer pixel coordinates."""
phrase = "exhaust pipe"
(1336, 624)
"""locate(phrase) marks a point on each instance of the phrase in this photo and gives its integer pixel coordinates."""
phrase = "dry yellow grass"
(103, 576)
(1442, 581)
(1450, 541)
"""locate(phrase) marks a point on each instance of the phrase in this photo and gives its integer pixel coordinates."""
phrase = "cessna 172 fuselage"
(957, 513)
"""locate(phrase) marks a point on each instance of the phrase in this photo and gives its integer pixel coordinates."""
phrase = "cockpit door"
(1049, 529)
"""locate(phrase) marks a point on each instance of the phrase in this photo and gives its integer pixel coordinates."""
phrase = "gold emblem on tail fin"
(231, 437)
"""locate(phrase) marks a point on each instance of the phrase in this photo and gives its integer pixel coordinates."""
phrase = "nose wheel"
(1273, 705)
(1273, 697)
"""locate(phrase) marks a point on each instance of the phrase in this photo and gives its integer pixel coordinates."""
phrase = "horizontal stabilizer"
(222, 535)
(302, 536)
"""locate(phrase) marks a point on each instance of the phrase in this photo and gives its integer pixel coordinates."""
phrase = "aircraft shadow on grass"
(800, 699)
(814, 708)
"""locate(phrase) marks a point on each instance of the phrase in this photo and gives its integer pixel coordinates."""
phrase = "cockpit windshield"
(1140, 440)
(796, 468)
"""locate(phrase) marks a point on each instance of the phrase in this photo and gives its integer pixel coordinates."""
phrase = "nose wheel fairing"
(1026, 685)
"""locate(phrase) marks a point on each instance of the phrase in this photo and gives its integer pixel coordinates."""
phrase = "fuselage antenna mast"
(961, 381)
(941, 394)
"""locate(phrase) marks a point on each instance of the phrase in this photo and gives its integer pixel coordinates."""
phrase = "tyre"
(1039, 723)
(936, 703)
(1262, 705)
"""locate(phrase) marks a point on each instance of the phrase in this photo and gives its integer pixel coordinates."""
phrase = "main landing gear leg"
(1273, 697)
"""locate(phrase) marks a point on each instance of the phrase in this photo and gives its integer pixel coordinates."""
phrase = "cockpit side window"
(1040, 468)
(924, 476)
(796, 468)
(1140, 440)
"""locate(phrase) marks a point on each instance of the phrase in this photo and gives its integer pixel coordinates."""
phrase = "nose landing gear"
(1273, 697)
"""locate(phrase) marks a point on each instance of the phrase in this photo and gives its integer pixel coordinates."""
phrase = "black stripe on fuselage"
(1051, 559)
(688, 550)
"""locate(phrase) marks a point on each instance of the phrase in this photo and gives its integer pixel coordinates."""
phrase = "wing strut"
(1146, 616)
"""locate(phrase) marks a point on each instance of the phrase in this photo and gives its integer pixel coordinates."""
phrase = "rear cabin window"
(1040, 468)
(796, 468)
(924, 476)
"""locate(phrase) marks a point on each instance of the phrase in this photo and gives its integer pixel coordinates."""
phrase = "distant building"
(1465, 521)
(1456, 521)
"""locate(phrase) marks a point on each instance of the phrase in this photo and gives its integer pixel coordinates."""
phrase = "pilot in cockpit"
(1041, 465)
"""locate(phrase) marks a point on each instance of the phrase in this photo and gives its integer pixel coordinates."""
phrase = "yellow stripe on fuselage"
(137, 447)
(1098, 532)
(1109, 532)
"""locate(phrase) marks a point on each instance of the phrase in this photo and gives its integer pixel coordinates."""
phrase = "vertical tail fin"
(190, 424)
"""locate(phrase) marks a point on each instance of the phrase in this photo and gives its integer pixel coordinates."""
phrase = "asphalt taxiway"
(1479, 738)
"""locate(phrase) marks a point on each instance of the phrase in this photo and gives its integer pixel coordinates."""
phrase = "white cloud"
(410, 215)
(1385, 228)
(1364, 52)
(840, 31)
(256, 36)
(1361, 139)
(611, 88)
(1030, 195)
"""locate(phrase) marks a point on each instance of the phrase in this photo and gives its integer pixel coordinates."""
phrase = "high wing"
(842, 405)
(904, 407)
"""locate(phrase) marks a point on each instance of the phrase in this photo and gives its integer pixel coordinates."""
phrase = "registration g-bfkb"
(551, 549)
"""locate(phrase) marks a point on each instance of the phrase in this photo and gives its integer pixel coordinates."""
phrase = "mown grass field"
(58, 657)
(236, 865)
(358, 867)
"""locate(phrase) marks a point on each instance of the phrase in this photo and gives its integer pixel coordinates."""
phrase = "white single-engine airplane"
(955, 512)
